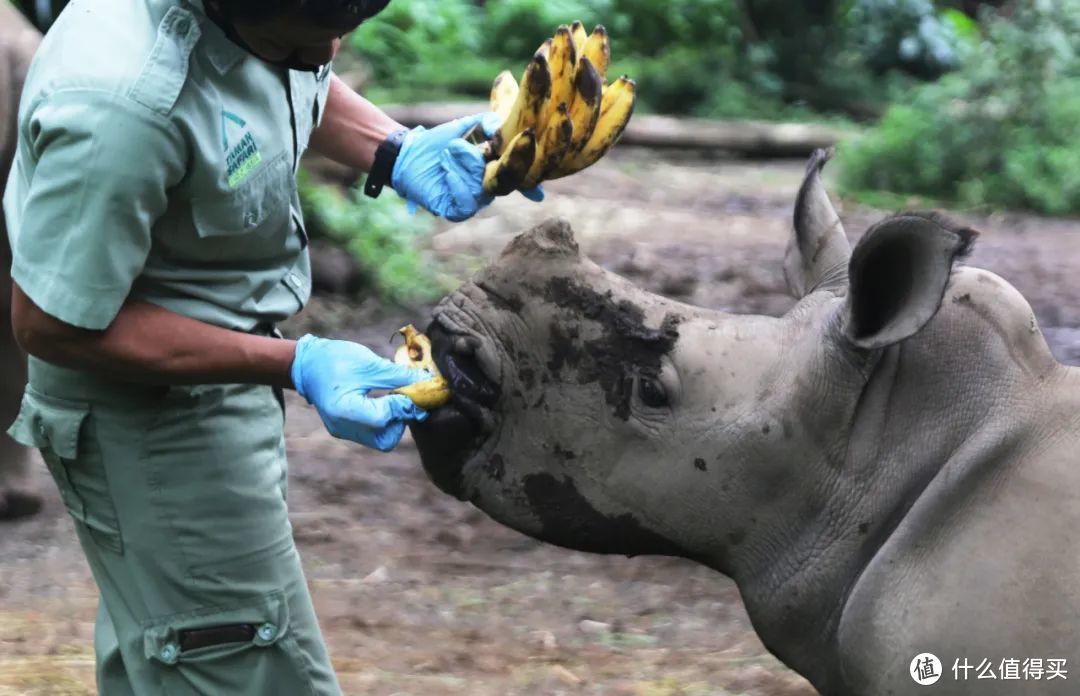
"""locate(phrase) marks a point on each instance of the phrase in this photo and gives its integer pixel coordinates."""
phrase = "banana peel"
(563, 117)
(416, 354)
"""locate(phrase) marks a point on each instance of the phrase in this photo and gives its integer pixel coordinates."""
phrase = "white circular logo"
(925, 669)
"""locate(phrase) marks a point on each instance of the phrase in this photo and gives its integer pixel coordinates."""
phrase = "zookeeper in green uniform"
(157, 238)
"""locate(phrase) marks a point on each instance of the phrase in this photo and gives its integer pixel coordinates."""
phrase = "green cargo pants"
(178, 497)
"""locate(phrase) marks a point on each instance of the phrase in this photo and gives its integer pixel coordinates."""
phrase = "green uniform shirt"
(157, 161)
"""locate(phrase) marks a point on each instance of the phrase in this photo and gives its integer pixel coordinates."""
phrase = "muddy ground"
(419, 594)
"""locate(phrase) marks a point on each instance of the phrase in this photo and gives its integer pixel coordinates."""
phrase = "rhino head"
(784, 452)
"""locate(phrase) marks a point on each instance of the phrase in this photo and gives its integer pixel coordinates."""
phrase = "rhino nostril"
(466, 345)
(456, 356)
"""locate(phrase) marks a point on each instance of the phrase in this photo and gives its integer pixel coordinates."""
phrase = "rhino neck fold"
(795, 575)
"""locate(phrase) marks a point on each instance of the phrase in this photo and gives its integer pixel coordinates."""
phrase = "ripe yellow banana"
(563, 64)
(615, 112)
(577, 30)
(504, 93)
(562, 118)
(552, 147)
(545, 49)
(416, 354)
(598, 50)
(585, 107)
(506, 174)
(525, 113)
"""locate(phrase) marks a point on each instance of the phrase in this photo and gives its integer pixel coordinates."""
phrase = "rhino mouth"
(454, 434)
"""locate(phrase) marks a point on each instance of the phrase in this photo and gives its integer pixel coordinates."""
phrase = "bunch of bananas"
(416, 353)
(562, 118)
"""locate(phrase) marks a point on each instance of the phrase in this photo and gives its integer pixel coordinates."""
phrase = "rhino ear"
(818, 253)
(898, 275)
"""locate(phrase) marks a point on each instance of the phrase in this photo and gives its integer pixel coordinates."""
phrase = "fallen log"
(743, 138)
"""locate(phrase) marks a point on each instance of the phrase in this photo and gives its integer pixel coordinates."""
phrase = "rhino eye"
(652, 393)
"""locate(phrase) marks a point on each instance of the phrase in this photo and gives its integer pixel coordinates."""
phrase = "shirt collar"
(223, 53)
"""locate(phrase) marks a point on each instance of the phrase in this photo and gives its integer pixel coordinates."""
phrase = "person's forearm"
(151, 345)
(352, 128)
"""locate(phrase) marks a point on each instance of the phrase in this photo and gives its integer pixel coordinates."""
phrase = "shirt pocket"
(57, 427)
(259, 206)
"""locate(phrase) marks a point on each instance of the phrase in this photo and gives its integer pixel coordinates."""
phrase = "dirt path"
(419, 594)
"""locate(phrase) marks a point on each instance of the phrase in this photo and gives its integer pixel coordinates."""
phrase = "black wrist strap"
(383, 168)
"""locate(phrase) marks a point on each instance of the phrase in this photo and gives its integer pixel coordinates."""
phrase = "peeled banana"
(416, 354)
(563, 116)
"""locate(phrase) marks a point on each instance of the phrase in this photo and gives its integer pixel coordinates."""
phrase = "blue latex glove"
(336, 376)
(441, 171)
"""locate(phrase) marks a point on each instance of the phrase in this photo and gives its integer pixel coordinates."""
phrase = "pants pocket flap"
(50, 424)
(203, 632)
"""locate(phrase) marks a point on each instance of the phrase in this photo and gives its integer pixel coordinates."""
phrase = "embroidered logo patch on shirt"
(241, 153)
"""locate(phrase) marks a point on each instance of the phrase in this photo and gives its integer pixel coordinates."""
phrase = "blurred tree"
(1001, 131)
(801, 36)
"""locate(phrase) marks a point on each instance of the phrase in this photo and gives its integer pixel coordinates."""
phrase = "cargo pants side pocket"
(57, 428)
(246, 648)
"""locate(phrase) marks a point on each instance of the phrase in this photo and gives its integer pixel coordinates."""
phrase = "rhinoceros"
(888, 470)
(18, 42)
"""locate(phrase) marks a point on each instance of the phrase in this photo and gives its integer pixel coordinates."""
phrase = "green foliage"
(1001, 132)
(909, 35)
(703, 57)
(380, 234)
(427, 42)
(513, 29)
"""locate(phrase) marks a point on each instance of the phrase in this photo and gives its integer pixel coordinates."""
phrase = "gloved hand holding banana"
(562, 118)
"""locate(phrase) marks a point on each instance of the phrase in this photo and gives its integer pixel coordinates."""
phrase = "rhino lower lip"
(454, 434)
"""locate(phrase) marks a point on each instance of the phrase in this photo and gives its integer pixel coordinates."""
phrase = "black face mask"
(363, 11)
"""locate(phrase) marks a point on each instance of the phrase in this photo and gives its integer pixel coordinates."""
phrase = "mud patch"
(570, 521)
(626, 348)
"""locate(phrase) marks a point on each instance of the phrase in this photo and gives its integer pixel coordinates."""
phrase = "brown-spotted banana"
(504, 94)
(551, 148)
(506, 174)
(615, 111)
(577, 30)
(525, 113)
(545, 49)
(598, 50)
(563, 64)
(585, 105)
(416, 353)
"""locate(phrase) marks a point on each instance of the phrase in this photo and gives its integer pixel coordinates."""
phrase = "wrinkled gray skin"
(889, 469)
(18, 41)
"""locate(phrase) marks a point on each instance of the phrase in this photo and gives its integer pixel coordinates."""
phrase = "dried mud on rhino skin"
(571, 522)
(626, 348)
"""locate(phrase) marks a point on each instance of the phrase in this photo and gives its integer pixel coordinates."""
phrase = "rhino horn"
(818, 253)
